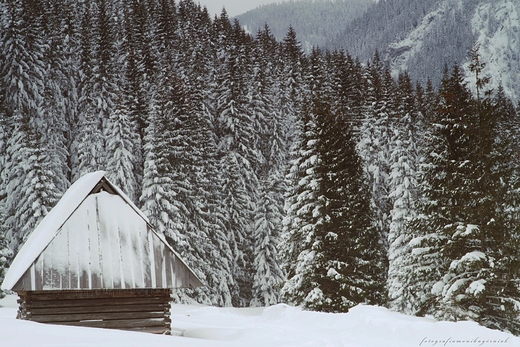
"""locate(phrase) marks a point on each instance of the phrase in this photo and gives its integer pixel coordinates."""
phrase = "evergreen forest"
(315, 179)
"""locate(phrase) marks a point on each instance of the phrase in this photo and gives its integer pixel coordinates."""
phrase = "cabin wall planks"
(146, 310)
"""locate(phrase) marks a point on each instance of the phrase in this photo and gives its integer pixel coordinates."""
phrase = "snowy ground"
(276, 326)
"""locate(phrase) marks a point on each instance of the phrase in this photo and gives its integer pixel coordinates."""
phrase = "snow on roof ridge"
(48, 228)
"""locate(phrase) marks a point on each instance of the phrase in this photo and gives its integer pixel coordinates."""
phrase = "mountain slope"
(443, 36)
(447, 33)
(384, 23)
(423, 36)
(496, 25)
(419, 36)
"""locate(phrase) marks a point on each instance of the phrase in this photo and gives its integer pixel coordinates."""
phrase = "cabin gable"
(105, 244)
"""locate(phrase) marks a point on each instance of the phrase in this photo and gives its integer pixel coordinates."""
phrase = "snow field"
(275, 326)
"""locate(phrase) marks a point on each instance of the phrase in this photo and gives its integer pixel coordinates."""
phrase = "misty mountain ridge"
(315, 21)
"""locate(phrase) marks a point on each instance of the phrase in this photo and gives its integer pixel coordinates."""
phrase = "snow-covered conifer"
(35, 168)
(121, 138)
(375, 143)
(403, 181)
(234, 128)
(268, 276)
(340, 258)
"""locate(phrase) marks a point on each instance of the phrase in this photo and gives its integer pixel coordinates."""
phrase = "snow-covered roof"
(94, 239)
(49, 226)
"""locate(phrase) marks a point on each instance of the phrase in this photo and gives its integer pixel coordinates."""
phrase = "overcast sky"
(233, 7)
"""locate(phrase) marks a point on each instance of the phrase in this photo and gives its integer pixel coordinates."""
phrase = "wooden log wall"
(145, 310)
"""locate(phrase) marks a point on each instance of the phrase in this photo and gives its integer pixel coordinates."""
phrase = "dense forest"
(313, 179)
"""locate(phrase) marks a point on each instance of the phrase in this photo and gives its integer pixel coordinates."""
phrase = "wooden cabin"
(96, 261)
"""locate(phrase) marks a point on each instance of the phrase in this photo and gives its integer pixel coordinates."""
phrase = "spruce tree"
(59, 89)
(478, 285)
(348, 88)
(162, 171)
(299, 223)
(213, 254)
(4, 135)
(66, 15)
(466, 229)
(299, 200)
(404, 160)
(443, 196)
(121, 141)
(236, 139)
(291, 83)
(462, 251)
(89, 143)
(340, 260)
(6, 254)
(36, 164)
(375, 143)
(197, 70)
(268, 276)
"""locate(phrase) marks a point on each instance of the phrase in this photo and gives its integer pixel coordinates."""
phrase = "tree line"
(316, 180)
